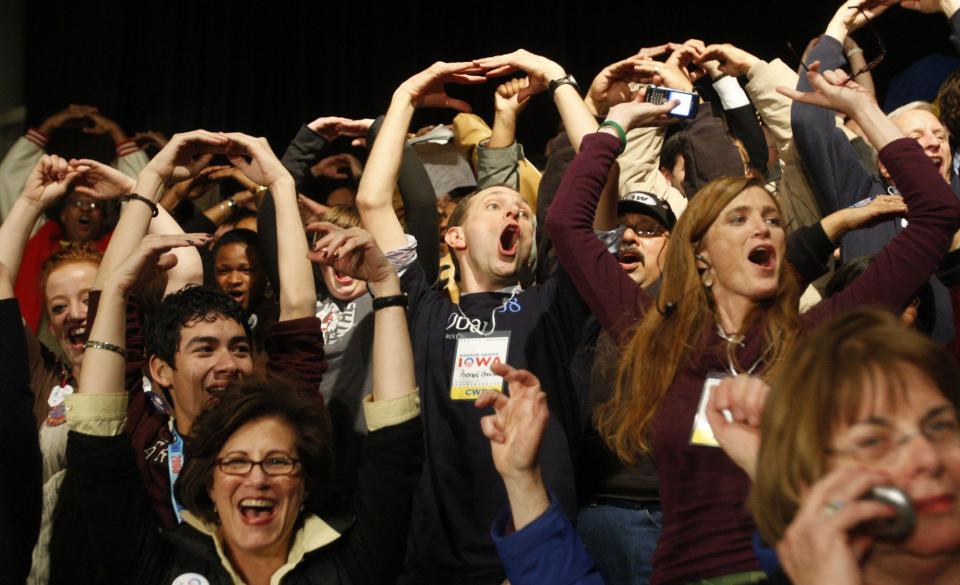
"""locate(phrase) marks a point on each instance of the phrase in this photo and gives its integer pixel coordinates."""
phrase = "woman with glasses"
(257, 460)
(865, 404)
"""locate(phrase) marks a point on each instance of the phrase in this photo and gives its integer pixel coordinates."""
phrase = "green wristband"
(620, 132)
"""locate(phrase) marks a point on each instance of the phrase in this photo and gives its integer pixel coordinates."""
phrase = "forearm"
(220, 212)
(132, 227)
(606, 216)
(836, 225)
(504, 129)
(527, 496)
(577, 119)
(298, 291)
(392, 353)
(189, 267)
(375, 193)
(858, 63)
(103, 369)
(879, 130)
(14, 233)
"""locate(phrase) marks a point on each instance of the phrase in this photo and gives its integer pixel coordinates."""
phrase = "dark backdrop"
(266, 67)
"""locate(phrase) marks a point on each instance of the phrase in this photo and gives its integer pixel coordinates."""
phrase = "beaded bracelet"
(91, 344)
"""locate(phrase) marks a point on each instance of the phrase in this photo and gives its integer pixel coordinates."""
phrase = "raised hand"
(186, 155)
(310, 210)
(332, 127)
(730, 60)
(818, 546)
(516, 427)
(337, 166)
(637, 112)
(540, 70)
(684, 58)
(611, 86)
(663, 74)
(150, 137)
(264, 168)
(834, 90)
(49, 181)
(350, 251)
(150, 259)
(71, 112)
(649, 53)
(506, 99)
(948, 7)
(848, 18)
(743, 398)
(426, 89)
(101, 181)
(104, 125)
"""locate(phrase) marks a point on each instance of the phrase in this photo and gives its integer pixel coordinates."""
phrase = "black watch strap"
(390, 301)
(565, 80)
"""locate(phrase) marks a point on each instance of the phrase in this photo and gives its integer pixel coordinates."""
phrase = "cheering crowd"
(713, 340)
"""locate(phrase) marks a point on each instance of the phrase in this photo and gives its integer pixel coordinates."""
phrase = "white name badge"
(471, 365)
(190, 579)
(702, 431)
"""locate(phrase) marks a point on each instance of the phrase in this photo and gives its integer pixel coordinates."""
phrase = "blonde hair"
(664, 337)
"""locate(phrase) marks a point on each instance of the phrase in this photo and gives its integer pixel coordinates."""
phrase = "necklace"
(475, 327)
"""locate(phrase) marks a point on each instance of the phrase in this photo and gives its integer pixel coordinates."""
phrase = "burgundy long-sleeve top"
(706, 529)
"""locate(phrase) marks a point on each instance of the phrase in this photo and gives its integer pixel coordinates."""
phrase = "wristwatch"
(565, 80)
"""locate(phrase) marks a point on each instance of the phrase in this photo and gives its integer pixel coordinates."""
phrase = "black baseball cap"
(648, 204)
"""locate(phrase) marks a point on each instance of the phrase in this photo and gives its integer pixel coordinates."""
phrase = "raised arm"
(577, 119)
(606, 288)
(298, 292)
(541, 546)
(47, 183)
(933, 211)
(183, 157)
(375, 195)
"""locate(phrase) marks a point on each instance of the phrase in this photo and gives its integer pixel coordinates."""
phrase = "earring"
(706, 277)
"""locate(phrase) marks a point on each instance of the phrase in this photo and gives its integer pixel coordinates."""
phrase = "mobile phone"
(897, 527)
(689, 102)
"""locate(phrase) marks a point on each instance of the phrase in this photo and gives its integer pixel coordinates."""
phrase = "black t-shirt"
(460, 492)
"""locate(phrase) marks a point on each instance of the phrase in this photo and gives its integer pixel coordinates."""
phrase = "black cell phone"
(689, 102)
(896, 528)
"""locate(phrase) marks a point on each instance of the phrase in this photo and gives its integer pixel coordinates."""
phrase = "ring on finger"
(833, 506)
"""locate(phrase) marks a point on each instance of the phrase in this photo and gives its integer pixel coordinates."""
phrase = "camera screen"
(685, 99)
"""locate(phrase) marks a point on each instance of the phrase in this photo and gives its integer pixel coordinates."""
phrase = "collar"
(312, 535)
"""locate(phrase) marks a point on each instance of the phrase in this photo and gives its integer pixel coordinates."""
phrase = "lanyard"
(174, 466)
(508, 304)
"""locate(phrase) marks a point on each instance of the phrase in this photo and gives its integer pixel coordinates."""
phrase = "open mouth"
(257, 511)
(510, 240)
(342, 278)
(631, 259)
(84, 220)
(763, 256)
(236, 295)
(75, 336)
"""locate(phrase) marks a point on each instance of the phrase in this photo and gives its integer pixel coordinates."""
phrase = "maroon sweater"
(706, 529)
(294, 357)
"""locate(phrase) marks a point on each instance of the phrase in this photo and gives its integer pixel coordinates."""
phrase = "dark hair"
(851, 270)
(948, 99)
(161, 331)
(237, 236)
(244, 402)
(673, 147)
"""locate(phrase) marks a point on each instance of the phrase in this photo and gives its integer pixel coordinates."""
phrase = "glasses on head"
(881, 446)
(275, 465)
(86, 205)
(869, 66)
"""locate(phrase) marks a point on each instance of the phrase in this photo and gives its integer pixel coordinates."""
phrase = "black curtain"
(266, 67)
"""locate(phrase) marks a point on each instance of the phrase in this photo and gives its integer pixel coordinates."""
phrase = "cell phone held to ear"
(895, 528)
(689, 102)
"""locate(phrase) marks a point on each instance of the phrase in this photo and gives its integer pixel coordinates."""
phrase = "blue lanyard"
(174, 465)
